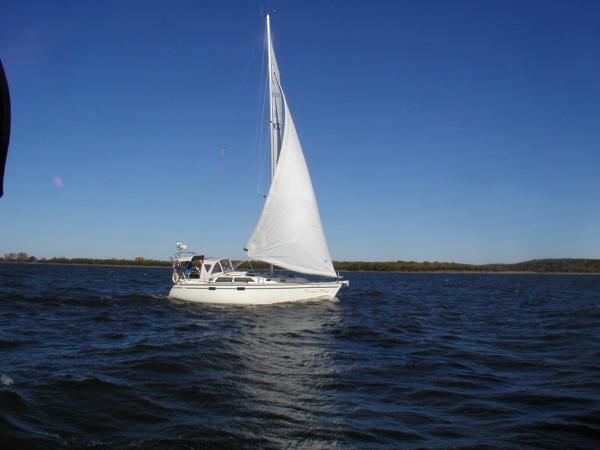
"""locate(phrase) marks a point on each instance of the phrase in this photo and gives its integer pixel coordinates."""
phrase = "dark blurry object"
(4, 124)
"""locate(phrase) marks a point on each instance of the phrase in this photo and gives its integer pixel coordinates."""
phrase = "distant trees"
(565, 265)
(18, 257)
(402, 266)
(10, 257)
(534, 266)
(23, 257)
(108, 261)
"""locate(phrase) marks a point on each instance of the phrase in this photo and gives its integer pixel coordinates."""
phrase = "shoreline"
(472, 272)
(441, 272)
(83, 265)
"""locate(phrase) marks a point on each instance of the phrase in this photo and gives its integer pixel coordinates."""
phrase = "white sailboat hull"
(259, 294)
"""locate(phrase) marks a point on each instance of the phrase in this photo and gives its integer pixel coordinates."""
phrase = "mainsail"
(277, 114)
(289, 233)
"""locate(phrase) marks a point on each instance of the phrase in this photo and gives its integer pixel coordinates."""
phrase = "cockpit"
(193, 266)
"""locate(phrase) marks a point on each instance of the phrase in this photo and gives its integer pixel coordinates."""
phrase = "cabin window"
(224, 280)
(243, 280)
(207, 267)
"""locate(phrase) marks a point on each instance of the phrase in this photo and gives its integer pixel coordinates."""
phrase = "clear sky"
(461, 131)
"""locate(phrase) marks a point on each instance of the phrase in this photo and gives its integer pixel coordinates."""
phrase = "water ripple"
(99, 357)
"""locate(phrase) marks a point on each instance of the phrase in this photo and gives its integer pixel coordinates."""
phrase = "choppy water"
(99, 357)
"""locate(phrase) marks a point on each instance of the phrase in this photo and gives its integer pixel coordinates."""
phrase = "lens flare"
(58, 182)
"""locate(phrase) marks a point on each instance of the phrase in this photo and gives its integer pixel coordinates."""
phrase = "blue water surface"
(99, 357)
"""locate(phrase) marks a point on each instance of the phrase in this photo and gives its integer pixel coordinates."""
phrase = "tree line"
(565, 265)
(23, 257)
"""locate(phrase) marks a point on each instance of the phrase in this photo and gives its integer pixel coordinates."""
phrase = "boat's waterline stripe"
(256, 287)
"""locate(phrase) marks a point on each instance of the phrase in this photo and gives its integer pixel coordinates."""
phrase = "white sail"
(277, 114)
(289, 233)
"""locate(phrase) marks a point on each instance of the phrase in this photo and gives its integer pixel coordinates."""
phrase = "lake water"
(99, 357)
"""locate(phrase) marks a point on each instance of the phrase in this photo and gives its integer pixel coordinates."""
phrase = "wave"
(98, 358)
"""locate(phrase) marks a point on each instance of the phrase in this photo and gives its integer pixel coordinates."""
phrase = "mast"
(272, 131)
(271, 102)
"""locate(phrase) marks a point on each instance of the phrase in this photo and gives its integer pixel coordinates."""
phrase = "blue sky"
(460, 131)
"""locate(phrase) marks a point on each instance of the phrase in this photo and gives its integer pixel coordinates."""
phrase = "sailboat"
(288, 235)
